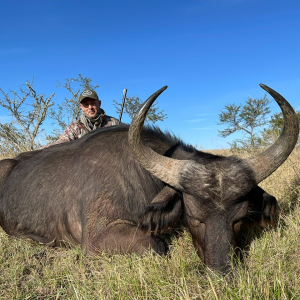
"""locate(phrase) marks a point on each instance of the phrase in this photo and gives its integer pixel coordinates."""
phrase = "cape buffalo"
(119, 188)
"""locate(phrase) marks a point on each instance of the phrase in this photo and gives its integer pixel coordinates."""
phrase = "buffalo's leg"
(123, 237)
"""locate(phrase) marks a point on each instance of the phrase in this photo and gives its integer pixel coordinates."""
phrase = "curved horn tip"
(164, 88)
(158, 92)
(263, 86)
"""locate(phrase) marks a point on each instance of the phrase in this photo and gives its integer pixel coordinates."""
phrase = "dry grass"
(271, 268)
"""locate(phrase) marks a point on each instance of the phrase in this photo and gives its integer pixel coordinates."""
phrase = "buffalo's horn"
(166, 169)
(266, 162)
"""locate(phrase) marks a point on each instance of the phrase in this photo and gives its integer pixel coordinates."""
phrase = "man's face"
(90, 106)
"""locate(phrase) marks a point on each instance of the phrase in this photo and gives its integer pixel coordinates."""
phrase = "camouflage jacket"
(77, 129)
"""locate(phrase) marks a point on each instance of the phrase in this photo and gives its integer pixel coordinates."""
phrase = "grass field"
(271, 267)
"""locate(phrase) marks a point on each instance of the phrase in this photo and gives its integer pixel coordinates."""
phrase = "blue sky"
(209, 52)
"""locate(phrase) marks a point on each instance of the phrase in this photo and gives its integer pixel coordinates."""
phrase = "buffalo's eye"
(237, 226)
(194, 222)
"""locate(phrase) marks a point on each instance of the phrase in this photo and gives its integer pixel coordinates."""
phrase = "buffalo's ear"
(163, 212)
(263, 208)
(270, 211)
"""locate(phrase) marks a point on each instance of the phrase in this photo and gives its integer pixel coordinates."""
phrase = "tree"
(247, 118)
(132, 104)
(275, 128)
(28, 111)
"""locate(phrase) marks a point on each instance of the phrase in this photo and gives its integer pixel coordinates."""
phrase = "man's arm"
(73, 132)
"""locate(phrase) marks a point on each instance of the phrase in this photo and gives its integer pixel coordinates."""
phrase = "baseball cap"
(88, 94)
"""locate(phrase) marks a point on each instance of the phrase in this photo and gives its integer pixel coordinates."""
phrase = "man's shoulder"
(74, 124)
(111, 121)
(77, 128)
(112, 118)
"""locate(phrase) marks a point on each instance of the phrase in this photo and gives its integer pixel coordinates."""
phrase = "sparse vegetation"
(247, 118)
(132, 105)
(271, 267)
(28, 110)
(274, 129)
